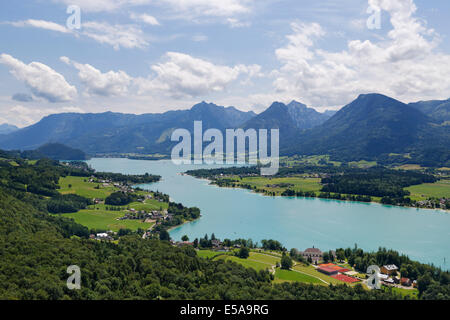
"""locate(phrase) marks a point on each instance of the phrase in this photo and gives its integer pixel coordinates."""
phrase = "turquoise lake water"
(423, 235)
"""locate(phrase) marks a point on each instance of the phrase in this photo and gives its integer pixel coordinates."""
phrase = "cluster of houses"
(389, 276)
(389, 273)
(443, 203)
(217, 245)
(109, 183)
(134, 214)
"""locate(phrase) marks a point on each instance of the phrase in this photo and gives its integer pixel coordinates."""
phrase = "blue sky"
(139, 56)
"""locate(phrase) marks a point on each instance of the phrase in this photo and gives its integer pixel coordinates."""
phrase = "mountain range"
(373, 126)
(129, 133)
(438, 110)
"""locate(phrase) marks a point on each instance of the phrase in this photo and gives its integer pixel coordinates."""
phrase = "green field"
(288, 275)
(409, 167)
(435, 190)
(148, 205)
(84, 188)
(412, 293)
(310, 160)
(209, 253)
(105, 220)
(257, 261)
(310, 270)
(363, 164)
(96, 216)
(299, 183)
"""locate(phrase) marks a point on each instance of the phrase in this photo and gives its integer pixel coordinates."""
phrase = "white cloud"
(235, 23)
(24, 116)
(405, 65)
(222, 8)
(103, 5)
(182, 75)
(200, 38)
(41, 79)
(126, 36)
(148, 19)
(41, 24)
(191, 8)
(107, 84)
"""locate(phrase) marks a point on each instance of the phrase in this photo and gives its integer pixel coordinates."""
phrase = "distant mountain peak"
(202, 105)
(297, 104)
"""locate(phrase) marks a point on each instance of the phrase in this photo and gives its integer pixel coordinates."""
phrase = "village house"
(216, 243)
(103, 236)
(406, 282)
(389, 269)
(184, 243)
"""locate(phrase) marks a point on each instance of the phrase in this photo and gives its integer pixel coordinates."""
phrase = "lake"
(423, 235)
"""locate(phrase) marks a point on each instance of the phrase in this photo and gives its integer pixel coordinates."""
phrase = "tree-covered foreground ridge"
(37, 246)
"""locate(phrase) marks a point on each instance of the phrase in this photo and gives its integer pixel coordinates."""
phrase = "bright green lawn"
(149, 204)
(85, 189)
(248, 263)
(310, 270)
(105, 220)
(288, 275)
(208, 253)
(412, 293)
(299, 183)
(427, 190)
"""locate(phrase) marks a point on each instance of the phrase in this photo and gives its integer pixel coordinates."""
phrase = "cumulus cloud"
(182, 75)
(107, 84)
(405, 65)
(43, 81)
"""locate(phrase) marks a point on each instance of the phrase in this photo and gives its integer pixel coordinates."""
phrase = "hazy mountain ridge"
(55, 151)
(117, 132)
(371, 127)
(438, 110)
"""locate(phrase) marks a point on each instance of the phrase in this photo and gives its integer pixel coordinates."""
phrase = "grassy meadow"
(106, 220)
(82, 187)
(435, 190)
(97, 216)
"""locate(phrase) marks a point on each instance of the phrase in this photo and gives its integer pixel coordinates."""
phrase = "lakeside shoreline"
(211, 182)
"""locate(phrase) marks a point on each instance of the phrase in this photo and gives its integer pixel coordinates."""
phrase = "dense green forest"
(377, 182)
